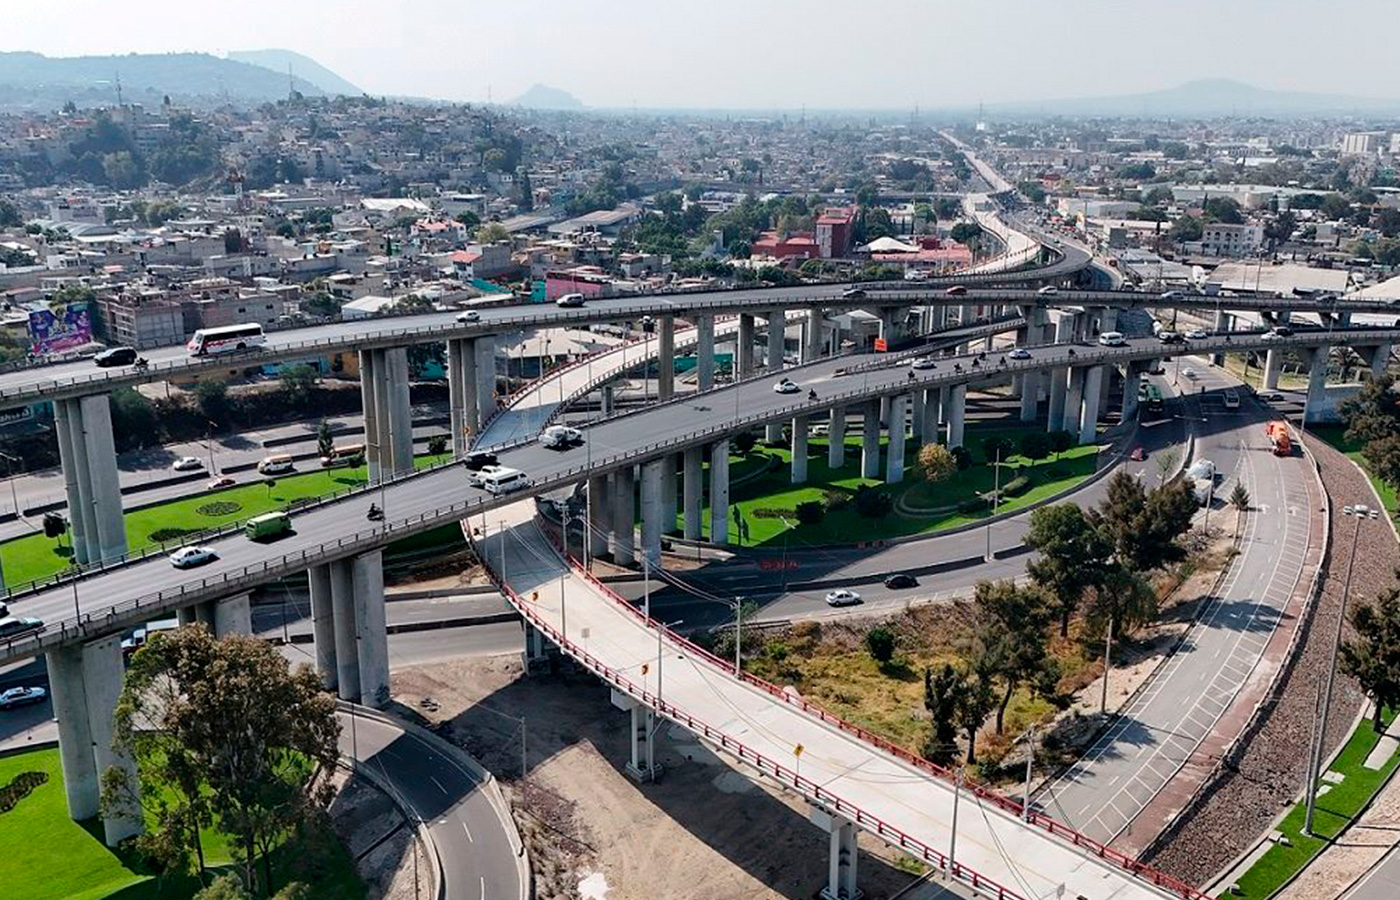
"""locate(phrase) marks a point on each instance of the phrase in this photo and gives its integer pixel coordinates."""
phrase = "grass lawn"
(48, 856)
(1336, 436)
(773, 493)
(1334, 810)
(1288, 381)
(35, 556)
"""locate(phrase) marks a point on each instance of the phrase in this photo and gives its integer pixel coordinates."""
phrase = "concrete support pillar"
(844, 855)
(1074, 401)
(777, 323)
(870, 440)
(653, 509)
(928, 428)
(461, 392)
(1317, 384)
(347, 653)
(87, 453)
(719, 492)
(811, 335)
(665, 357)
(535, 656)
(799, 450)
(836, 439)
(1378, 358)
(1030, 396)
(916, 415)
(1132, 380)
(641, 723)
(66, 426)
(606, 399)
(956, 412)
(624, 489)
(743, 351)
(705, 350)
(1064, 326)
(598, 515)
(400, 411)
(367, 573)
(670, 475)
(485, 347)
(323, 624)
(693, 491)
(103, 669)
(1093, 388)
(1223, 325)
(894, 462)
(887, 324)
(1273, 365)
(376, 453)
(233, 615)
(197, 614)
(70, 708)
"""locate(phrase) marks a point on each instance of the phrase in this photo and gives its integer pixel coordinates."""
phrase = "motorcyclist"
(375, 512)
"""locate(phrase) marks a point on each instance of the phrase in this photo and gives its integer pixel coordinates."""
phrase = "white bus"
(228, 339)
(503, 480)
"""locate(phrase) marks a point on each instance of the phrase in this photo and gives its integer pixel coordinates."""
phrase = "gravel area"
(1266, 774)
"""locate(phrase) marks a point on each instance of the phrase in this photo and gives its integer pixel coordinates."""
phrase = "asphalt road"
(1381, 883)
(1164, 724)
(442, 495)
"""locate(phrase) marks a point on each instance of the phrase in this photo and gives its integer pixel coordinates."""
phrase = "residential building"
(1219, 239)
(794, 246)
(141, 318)
(835, 228)
(1362, 143)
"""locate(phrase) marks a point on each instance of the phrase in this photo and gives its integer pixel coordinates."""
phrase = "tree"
(1158, 195)
(942, 699)
(1223, 210)
(744, 442)
(1239, 499)
(872, 503)
(256, 783)
(233, 241)
(810, 512)
(966, 233)
(1144, 527)
(9, 214)
(297, 383)
(225, 887)
(937, 463)
(491, 233)
(437, 444)
(134, 420)
(975, 701)
(879, 641)
(1071, 556)
(1034, 445)
(1122, 601)
(996, 448)
(1010, 636)
(1374, 412)
(1334, 206)
(325, 440)
(1060, 441)
(1186, 228)
(1372, 657)
(962, 457)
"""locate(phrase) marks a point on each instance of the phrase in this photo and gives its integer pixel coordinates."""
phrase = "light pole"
(661, 630)
(994, 501)
(1359, 512)
(10, 465)
(1030, 761)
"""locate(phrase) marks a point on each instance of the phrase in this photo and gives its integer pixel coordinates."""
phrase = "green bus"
(267, 525)
(1152, 399)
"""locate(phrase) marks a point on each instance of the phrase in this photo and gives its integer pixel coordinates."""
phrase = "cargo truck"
(1279, 438)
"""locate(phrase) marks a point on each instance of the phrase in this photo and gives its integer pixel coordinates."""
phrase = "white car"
(1019, 353)
(560, 437)
(842, 597)
(476, 478)
(923, 362)
(569, 301)
(1189, 373)
(21, 696)
(1048, 291)
(470, 315)
(188, 464)
(189, 557)
(786, 386)
(1271, 336)
(1196, 334)
(1112, 339)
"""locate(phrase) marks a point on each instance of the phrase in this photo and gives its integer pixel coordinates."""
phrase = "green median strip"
(1348, 787)
(36, 556)
(1336, 436)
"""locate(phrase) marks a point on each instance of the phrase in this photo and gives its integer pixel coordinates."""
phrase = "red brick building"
(835, 227)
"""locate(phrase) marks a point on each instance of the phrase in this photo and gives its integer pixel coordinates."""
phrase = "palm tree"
(1239, 499)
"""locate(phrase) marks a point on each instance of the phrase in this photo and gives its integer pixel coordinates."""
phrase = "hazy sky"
(741, 53)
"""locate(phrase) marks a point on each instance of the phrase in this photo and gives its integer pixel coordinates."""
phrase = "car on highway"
(1282, 331)
(560, 437)
(268, 526)
(1271, 336)
(853, 294)
(1170, 337)
(1048, 291)
(1019, 353)
(1188, 372)
(842, 597)
(190, 557)
(1112, 339)
(476, 460)
(1232, 400)
(786, 386)
(569, 301)
(277, 464)
(188, 464)
(1271, 397)
(901, 580)
(219, 483)
(115, 356)
(1197, 334)
(956, 290)
(923, 362)
(1171, 295)
(22, 696)
(469, 315)
(478, 476)
(503, 480)
(14, 626)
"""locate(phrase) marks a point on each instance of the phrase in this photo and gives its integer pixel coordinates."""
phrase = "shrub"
(880, 642)
(872, 503)
(162, 535)
(963, 457)
(219, 508)
(834, 500)
(1035, 445)
(1016, 486)
(437, 444)
(19, 788)
(810, 512)
(744, 442)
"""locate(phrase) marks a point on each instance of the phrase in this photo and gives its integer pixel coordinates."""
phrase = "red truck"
(1279, 437)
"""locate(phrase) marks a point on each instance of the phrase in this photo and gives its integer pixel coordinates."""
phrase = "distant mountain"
(146, 78)
(542, 96)
(301, 66)
(1209, 97)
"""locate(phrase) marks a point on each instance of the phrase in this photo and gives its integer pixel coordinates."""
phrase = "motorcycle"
(375, 514)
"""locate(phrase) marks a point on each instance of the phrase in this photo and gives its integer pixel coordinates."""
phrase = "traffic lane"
(608, 445)
(1381, 883)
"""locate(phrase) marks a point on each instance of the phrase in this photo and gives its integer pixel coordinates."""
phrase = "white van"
(276, 465)
(503, 480)
(1112, 339)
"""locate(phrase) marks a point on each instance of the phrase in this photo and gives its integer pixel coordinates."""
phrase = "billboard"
(68, 329)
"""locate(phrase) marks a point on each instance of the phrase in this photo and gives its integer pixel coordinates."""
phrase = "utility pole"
(1030, 761)
(1107, 663)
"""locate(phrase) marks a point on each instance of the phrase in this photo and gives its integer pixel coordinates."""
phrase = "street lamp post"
(1359, 512)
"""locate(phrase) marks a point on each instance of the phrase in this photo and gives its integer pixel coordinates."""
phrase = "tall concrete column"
(1074, 401)
(705, 350)
(70, 707)
(1132, 379)
(233, 615)
(1064, 326)
(870, 440)
(106, 485)
(887, 324)
(743, 350)
(461, 394)
(1093, 387)
(1030, 396)
(670, 490)
(956, 413)
(653, 514)
(323, 624)
(799, 450)
(928, 428)
(624, 489)
(836, 439)
(103, 670)
(367, 572)
(66, 427)
(777, 322)
(485, 347)
(606, 399)
(916, 416)
(719, 492)
(347, 652)
(844, 855)
(693, 491)
(399, 409)
(1223, 325)
(599, 510)
(665, 357)
(1378, 358)
(1316, 360)
(1273, 365)
(894, 462)
(376, 453)
(811, 335)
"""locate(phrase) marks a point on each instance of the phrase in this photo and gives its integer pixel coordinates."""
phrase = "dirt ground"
(705, 830)
(1370, 838)
(386, 852)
